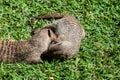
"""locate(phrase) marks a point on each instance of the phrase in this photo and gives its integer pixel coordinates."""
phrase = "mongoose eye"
(32, 33)
(49, 33)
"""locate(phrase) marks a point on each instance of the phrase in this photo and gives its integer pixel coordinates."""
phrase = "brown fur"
(26, 51)
(70, 33)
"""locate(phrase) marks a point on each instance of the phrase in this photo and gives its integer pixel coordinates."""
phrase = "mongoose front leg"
(55, 46)
(34, 57)
(60, 49)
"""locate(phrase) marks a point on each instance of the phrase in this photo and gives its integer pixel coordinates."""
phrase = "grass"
(99, 55)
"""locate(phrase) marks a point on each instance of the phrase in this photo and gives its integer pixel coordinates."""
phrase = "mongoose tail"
(43, 17)
(52, 16)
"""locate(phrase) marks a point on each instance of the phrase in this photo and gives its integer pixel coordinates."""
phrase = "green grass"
(99, 55)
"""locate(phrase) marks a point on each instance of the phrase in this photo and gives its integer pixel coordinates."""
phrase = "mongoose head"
(43, 36)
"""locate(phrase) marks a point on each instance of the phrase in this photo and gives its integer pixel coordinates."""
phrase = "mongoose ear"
(34, 32)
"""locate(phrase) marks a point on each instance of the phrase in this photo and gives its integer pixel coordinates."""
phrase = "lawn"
(99, 55)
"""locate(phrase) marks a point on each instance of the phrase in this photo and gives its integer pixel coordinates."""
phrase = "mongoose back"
(69, 32)
(26, 51)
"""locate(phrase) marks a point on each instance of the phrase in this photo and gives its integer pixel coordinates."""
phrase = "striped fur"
(9, 50)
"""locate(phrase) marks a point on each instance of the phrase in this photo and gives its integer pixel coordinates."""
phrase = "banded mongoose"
(28, 51)
(69, 32)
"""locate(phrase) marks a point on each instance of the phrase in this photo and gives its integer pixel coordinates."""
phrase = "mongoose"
(28, 51)
(69, 32)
